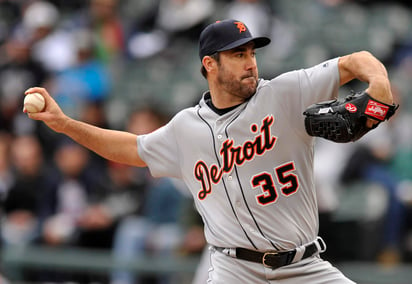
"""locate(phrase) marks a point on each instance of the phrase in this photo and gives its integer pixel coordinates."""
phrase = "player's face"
(237, 71)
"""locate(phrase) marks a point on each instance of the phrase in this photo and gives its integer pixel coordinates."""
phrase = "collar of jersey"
(219, 111)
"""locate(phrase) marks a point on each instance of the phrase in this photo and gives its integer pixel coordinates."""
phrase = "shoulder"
(327, 66)
(320, 74)
(183, 118)
(284, 82)
(185, 113)
(288, 76)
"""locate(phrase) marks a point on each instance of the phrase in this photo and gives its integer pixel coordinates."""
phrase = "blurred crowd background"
(131, 65)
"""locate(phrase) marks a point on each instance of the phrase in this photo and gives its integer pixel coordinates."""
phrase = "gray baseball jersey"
(250, 170)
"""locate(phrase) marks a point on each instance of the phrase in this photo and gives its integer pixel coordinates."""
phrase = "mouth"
(249, 76)
(249, 79)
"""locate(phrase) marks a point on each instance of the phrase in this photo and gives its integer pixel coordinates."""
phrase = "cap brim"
(259, 42)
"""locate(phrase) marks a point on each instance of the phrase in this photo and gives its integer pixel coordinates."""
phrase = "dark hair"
(216, 57)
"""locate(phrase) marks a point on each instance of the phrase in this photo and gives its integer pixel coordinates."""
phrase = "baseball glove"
(345, 120)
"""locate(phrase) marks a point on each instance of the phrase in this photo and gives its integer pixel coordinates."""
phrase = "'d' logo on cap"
(241, 26)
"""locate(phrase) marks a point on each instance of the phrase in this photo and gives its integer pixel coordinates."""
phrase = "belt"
(275, 259)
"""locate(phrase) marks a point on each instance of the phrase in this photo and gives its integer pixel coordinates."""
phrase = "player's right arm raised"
(118, 146)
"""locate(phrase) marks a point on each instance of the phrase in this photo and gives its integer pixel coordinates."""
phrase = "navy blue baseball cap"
(225, 35)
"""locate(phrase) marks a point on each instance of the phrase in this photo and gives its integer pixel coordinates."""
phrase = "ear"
(209, 63)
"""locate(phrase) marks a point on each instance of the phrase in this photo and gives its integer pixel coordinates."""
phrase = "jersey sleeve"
(320, 82)
(301, 88)
(160, 152)
(298, 89)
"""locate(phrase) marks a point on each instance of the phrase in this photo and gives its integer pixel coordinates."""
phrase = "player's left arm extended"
(366, 68)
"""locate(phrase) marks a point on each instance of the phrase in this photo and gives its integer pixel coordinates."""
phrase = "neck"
(222, 99)
(219, 111)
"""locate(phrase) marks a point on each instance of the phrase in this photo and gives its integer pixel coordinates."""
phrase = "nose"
(250, 63)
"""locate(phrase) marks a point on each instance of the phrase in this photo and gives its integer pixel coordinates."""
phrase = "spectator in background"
(6, 174)
(194, 241)
(10, 14)
(73, 184)
(3, 280)
(157, 228)
(102, 19)
(51, 44)
(170, 20)
(22, 205)
(6, 180)
(6, 177)
(184, 17)
(402, 160)
(124, 197)
(89, 79)
(90, 85)
(370, 162)
(18, 70)
(257, 14)
(107, 28)
(327, 179)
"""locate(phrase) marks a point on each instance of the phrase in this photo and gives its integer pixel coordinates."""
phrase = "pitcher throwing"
(245, 155)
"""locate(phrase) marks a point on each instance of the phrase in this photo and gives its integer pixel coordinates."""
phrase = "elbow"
(361, 65)
(368, 56)
(364, 53)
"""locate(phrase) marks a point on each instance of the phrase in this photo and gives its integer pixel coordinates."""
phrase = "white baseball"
(34, 102)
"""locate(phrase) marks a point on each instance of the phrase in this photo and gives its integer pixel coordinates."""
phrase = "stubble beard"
(245, 87)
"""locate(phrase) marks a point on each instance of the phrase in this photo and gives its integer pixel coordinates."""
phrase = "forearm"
(366, 68)
(117, 146)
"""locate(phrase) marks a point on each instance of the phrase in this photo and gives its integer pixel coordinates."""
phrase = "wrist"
(379, 88)
(64, 125)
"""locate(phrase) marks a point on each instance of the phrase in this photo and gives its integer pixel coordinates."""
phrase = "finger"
(31, 90)
(39, 90)
(371, 122)
(35, 115)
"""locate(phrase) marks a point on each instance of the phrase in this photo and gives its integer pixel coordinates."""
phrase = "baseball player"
(244, 154)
